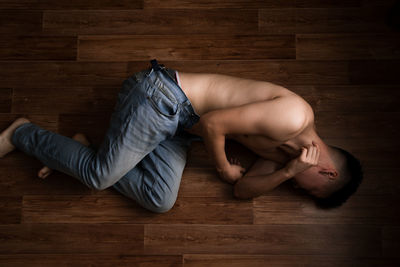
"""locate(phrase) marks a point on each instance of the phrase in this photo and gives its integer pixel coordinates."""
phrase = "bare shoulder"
(287, 116)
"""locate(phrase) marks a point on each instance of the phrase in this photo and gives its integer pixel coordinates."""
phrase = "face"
(312, 181)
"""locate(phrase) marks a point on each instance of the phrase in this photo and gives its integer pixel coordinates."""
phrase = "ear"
(330, 173)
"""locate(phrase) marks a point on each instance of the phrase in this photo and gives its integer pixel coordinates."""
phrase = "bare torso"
(208, 92)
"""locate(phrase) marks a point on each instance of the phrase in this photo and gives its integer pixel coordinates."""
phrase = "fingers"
(314, 154)
(311, 153)
(234, 161)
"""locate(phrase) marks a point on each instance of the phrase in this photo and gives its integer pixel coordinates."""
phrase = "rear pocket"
(163, 104)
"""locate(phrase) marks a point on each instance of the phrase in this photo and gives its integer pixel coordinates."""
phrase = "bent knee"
(101, 184)
(163, 202)
(102, 181)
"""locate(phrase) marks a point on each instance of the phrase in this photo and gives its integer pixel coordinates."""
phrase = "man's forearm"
(253, 186)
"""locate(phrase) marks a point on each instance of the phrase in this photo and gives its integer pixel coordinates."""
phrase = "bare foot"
(6, 145)
(46, 171)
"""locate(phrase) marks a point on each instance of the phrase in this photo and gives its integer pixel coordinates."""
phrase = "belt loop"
(155, 65)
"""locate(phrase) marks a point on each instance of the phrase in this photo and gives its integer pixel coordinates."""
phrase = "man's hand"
(232, 171)
(309, 157)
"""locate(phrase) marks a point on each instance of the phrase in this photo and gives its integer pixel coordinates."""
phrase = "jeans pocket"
(162, 104)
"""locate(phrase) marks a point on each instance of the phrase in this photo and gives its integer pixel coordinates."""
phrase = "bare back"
(209, 92)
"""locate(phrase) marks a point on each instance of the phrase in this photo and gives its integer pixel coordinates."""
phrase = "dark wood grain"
(349, 98)
(374, 71)
(200, 4)
(74, 4)
(359, 210)
(83, 260)
(203, 182)
(71, 238)
(72, 100)
(323, 20)
(16, 22)
(390, 241)
(153, 21)
(38, 48)
(356, 125)
(347, 46)
(344, 240)
(10, 210)
(54, 74)
(5, 99)
(179, 47)
(119, 209)
(212, 260)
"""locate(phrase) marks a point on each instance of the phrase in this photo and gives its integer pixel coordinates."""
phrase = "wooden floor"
(63, 62)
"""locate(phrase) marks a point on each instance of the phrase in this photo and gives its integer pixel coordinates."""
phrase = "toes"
(44, 172)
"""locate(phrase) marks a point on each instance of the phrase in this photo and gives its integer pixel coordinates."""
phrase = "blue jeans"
(144, 151)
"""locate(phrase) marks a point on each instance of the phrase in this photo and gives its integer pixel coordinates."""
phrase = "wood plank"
(71, 238)
(374, 72)
(283, 72)
(323, 20)
(20, 178)
(71, 4)
(68, 74)
(38, 48)
(10, 210)
(327, 3)
(118, 209)
(198, 158)
(84, 260)
(378, 3)
(347, 46)
(361, 125)
(72, 100)
(203, 182)
(151, 21)
(360, 210)
(5, 99)
(379, 181)
(211, 260)
(20, 22)
(344, 240)
(390, 241)
(350, 98)
(200, 4)
(179, 47)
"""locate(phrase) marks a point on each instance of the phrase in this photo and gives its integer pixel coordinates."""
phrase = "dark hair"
(354, 173)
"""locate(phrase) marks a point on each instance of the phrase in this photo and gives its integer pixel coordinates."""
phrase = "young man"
(157, 113)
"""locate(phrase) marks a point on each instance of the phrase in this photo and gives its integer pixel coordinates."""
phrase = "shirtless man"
(272, 121)
(276, 124)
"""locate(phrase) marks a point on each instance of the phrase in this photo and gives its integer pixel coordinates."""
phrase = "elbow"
(209, 124)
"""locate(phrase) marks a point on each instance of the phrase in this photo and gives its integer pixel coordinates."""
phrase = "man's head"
(335, 178)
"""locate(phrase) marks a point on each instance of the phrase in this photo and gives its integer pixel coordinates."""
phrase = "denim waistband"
(160, 75)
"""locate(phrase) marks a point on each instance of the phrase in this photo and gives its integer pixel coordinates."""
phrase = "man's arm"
(264, 177)
(278, 119)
